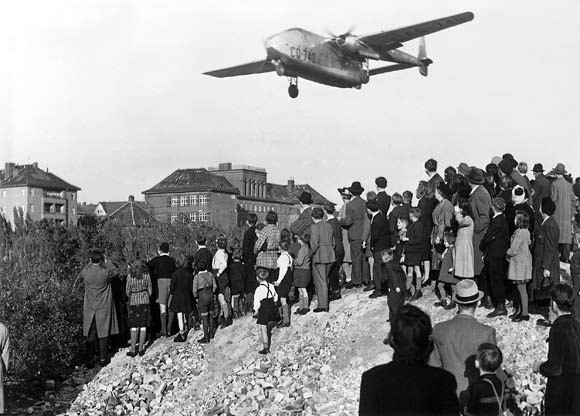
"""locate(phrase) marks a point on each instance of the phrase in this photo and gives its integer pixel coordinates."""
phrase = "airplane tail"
(422, 57)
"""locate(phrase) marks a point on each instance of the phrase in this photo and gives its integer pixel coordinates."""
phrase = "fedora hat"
(510, 159)
(466, 292)
(356, 188)
(305, 198)
(506, 166)
(475, 176)
(538, 168)
(560, 169)
(464, 169)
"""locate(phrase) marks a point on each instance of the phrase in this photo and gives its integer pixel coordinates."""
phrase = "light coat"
(98, 303)
(563, 196)
(480, 201)
(353, 221)
(520, 257)
(322, 243)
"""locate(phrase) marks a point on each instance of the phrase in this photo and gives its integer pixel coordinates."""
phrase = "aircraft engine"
(353, 45)
(280, 70)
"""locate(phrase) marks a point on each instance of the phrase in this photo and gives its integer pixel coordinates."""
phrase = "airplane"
(341, 61)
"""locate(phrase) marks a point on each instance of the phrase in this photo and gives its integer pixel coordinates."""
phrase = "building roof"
(34, 177)
(86, 209)
(288, 195)
(112, 206)
(192, 180)
(129, 213)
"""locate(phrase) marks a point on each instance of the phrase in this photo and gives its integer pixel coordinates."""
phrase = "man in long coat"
(353, 221)
(563, 196)
(303, 222)
(322, 246)
(100, 316)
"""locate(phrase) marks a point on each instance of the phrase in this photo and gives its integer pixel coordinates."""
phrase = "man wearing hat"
(353, 221)
(304, 221)
(542, 187)
(563, 196)
(480, 202)
(456, 340)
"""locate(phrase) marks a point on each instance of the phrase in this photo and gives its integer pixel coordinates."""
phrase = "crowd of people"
(493, 228)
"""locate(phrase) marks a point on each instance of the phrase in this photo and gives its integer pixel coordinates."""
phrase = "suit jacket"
(322, 243)
(427, 206)
(248, 244)
(384, 202)
(433, 182)
(547, 246)
(480, 201)
(542, 189)
(396, 213)
(203, 254)
(399, 389)
(380, 235)
(338, 243)
(355, 214)
(496, 241)
(302, 223)
(455, 345)
(161, 267)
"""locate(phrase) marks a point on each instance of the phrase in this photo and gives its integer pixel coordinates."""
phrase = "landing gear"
(293, 88)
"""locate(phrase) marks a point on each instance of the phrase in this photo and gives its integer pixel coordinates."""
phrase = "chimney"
(131, 198)
(291, 186)
(225, 166)
(8, 170)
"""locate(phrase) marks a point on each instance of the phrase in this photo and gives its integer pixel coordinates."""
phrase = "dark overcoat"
(98, 304)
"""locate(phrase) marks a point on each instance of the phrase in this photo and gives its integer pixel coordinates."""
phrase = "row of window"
(191, 217)
(187, 200)
(50, 194)
(48, 209)
(262, 208)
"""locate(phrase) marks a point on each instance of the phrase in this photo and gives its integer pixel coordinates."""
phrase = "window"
(203, 200)
(32, 192)
(204, 216)
(193, 200)
(74, 211)
(174, 201)
(173, 218)
(193, 216)
(183, 201)
(23, 191)
(31, 209)
(73, 196)
(3, 194)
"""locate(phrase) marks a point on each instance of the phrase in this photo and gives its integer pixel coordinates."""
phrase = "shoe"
(196, 327)
(226, 323)
(160, 334)
(203, 340)
(131, 353)
(369, 287)
(486, 303)
(440, 303)
(375, 295)
(544, 322)
(320, 310)
(521, 318)
(264, 351)
(408, 295)
(425, 279)
(416, 296)
(335, 296)
(283, 325)
(352, 286)
(141, 353)
(386, 341)
(450, 305)
(497, 312)
(179, 338)
(304, 311)
(104, 362)
(515, 314)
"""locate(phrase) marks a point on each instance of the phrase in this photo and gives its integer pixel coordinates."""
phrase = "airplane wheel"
(293, 91)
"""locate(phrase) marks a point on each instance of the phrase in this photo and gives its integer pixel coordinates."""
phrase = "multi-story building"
(225, 195)
(36, 194)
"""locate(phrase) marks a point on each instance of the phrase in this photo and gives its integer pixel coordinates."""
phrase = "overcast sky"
(109, 95)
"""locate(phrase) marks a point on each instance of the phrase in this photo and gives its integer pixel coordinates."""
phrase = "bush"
(41, 295)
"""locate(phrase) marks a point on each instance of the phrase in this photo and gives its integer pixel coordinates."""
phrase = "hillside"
(314, 368)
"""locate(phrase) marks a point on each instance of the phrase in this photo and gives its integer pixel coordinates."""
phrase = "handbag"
(543, 292)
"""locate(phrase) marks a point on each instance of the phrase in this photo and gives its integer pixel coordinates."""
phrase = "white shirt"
(284, 263)
(374, 214)
(304, 208)
(473, 189)
(329, 217)
(261, 293)
(220, 261)
(545, 219)
(495, 215)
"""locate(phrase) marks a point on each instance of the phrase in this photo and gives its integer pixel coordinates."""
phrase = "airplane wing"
(390, 68)
(392, 39)
(256, 67)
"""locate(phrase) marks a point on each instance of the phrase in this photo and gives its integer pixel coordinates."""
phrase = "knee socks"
(142, 337)
(134, 336)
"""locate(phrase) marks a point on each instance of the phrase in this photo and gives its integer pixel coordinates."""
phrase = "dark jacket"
(563, 367)
(482, 398)
(384, 202)
(380, 235)
(338, 243)
(181, 290)
(398, 389)
(396, 213)
(355, 215)
(418, 242)
(303, 223)
(427, 205)
(496, 241)
(203, 254)
(161, 267)
(248, 244)
(542, 189)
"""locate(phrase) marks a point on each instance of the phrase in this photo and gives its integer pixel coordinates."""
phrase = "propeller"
(340, 39)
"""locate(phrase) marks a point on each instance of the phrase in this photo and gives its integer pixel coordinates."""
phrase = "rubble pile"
(314, 367)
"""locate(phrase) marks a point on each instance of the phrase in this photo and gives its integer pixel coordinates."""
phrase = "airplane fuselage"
(300, 53)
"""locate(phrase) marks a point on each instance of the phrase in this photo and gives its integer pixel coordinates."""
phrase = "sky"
(110, 96)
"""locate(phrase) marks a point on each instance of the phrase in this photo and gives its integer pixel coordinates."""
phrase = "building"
(225, 195)
(38, 194)
(128, 213)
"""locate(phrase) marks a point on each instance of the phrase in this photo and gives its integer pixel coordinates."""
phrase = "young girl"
(302, 273)
(139, 290)
(464, 242)
(237, 281)
(219, 266)
(520, 267)
(265, 299)
(181, 291)
(414, 252)
(447, 281)
(284, 282)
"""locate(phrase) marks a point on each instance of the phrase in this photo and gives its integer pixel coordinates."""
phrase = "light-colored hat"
(495, 160)
(560, 169)
(466, 292)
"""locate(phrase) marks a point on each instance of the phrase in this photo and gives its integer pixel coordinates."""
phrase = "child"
(414, 252)
(181, 289)
(402, 224)
(447, 281)
(219, 266)
(139, 290)
(249, 260)
(520, 264)
(265, 299)
(237, 281)
(284, 282)
(486, 395)
(204, 286)
(396, 285)
(302, 273)
(407, 199)
(575, 274)
(463, 265)
(494, 245)
(397, 212)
